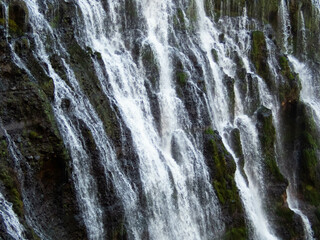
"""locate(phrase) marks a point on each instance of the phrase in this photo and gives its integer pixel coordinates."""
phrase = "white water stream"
(10, 220)
(180, 200)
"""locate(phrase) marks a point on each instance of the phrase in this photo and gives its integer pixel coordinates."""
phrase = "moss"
(181, 78)
(285, 213)
(48, 88)
(3, 149)
(236, 234)
(192, 11)
(229, 84)
(98, 55)
(54, 23)
(223, 168)
(131, 10)
(120, 232)
(259, 56)
(34, 135)
(223, 180)
(308, 159)
(209, 8)
(285, 69)
(214, 55)
(34, 235)
(267, 136)
(286, 218)
(289, 89)
(13, 27)
(312, 195)
(7, 177)
(209, 131)
(237, 148)
(151, 65)
(91, 86)
(179, 20)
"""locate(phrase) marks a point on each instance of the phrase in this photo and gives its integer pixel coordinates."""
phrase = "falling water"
(251, 192)
(309, 96)
(10, 220)
(286, 26)
(316, 3)
(27, 205)
(179, 201)
(310, 90)
(303, 35)
(86, 186)
(170, 185)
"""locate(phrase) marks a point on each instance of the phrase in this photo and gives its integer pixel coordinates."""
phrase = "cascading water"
(303, 35)
(286, 26)
(170, 195)
(175, 209)
(250, 192)
(10, 220)
(309, 96)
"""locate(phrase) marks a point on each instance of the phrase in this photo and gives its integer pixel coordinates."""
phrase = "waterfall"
(303, 35)
(170, 187)
(309, 96)
(251, 192)
(286, 26)
(10, 220)
(169, 72)
(309, 92)
(316, 3)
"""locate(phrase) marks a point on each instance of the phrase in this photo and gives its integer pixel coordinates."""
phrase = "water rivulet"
(171, 119)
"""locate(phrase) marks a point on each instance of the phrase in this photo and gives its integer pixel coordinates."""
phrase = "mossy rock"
(11, 185)
(259, 57)
(237, 148)
(192, 11)
(309, 146)
(288, 221)
(179, 20)
(289, 89)
(267, 137)
(229, 84)
(181, 78)
(231, 8)
(18, 17)
(236, 233)
(150, 65)
(222, 169)
(119, 233)
(209, 8)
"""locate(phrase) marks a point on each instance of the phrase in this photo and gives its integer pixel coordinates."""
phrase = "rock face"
(179, 125)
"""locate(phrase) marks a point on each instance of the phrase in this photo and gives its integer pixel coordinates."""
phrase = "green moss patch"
(222, 169)
(7, 177)
(267, 136)
(289, 89)
(308, 159)
(259, 56)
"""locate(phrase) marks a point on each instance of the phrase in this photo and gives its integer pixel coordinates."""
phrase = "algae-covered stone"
(18, 17)
(222, 170)
(267, 136)
(259, 56)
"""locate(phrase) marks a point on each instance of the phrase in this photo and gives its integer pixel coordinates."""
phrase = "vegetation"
(308, 161)
(223, 168)
(267, 136)
(259, 56)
